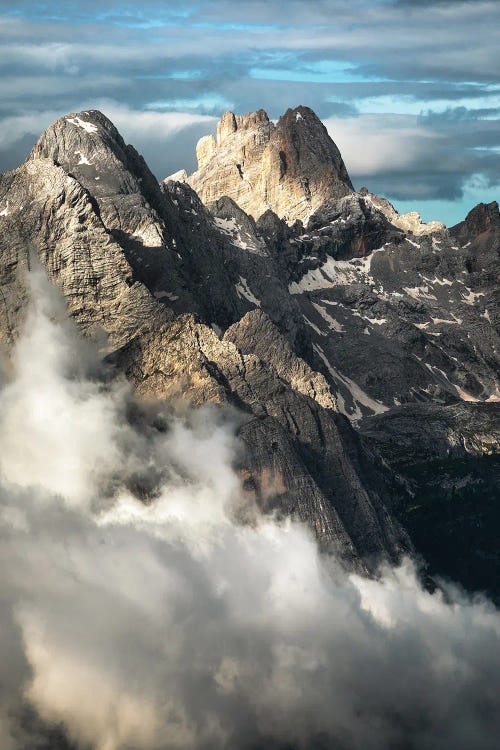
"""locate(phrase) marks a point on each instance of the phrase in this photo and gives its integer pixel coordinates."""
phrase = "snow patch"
(227, 225)
(455, 322)
(89, 127)
(411, 242)
(375, 321)
(314, 327)
(463, 395)
(336, 273)
(359, 397)
(83, 159)
(238, 237)
(419, 292)
(440, 282)
(466, 396)
(243, 291)
(5, 211)
(472, 297)
(168, 295)
(332, 323)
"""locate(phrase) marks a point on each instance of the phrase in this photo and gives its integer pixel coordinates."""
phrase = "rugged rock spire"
(292, 167)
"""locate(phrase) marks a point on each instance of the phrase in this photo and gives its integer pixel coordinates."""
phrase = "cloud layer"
(145, 604)
(427, 70)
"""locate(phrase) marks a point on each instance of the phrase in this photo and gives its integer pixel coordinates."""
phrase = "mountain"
(291, 167)
(359, 347)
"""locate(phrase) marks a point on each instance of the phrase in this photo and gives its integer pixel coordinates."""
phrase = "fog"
(146, 605)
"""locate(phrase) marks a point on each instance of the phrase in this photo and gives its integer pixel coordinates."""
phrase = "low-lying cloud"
(145, 604)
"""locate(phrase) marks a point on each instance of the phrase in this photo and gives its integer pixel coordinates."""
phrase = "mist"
(145, 604)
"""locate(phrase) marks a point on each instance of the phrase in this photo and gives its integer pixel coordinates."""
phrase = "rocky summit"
(291, 167)
(359, 347)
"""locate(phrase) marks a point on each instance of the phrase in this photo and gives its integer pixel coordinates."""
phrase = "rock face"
(448, 459)
(302, 458)
(483, 218)
(410, 222)
(424, 308)
(360, 349)
(292, 167)
(53, 217)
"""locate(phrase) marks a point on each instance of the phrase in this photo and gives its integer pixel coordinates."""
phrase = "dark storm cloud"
(345, 60)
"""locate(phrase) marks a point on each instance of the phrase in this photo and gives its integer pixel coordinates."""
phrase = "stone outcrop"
(292, 167)
(410, 222)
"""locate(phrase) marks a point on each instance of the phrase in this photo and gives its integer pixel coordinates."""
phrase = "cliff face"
(449, 459)
(291, 167)
(335, 341)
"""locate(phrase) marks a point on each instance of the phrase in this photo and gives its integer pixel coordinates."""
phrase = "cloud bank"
(145, 604)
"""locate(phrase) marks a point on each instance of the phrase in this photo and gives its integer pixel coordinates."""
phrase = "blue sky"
(408, 89)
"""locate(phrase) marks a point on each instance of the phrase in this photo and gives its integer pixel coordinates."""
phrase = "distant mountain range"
(359, 346)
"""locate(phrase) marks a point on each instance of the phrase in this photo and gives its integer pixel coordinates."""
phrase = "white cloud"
(135, 125)
(375, 143)
(171, 623)
(14, 128)
(385, 104)
(206, 102)
(37, 87)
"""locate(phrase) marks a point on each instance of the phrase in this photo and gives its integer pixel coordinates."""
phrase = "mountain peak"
(89, 147)
(300, 114)
(291, 167)
(88, 126)
(230, 123)
(79, 141)
(482, 217)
